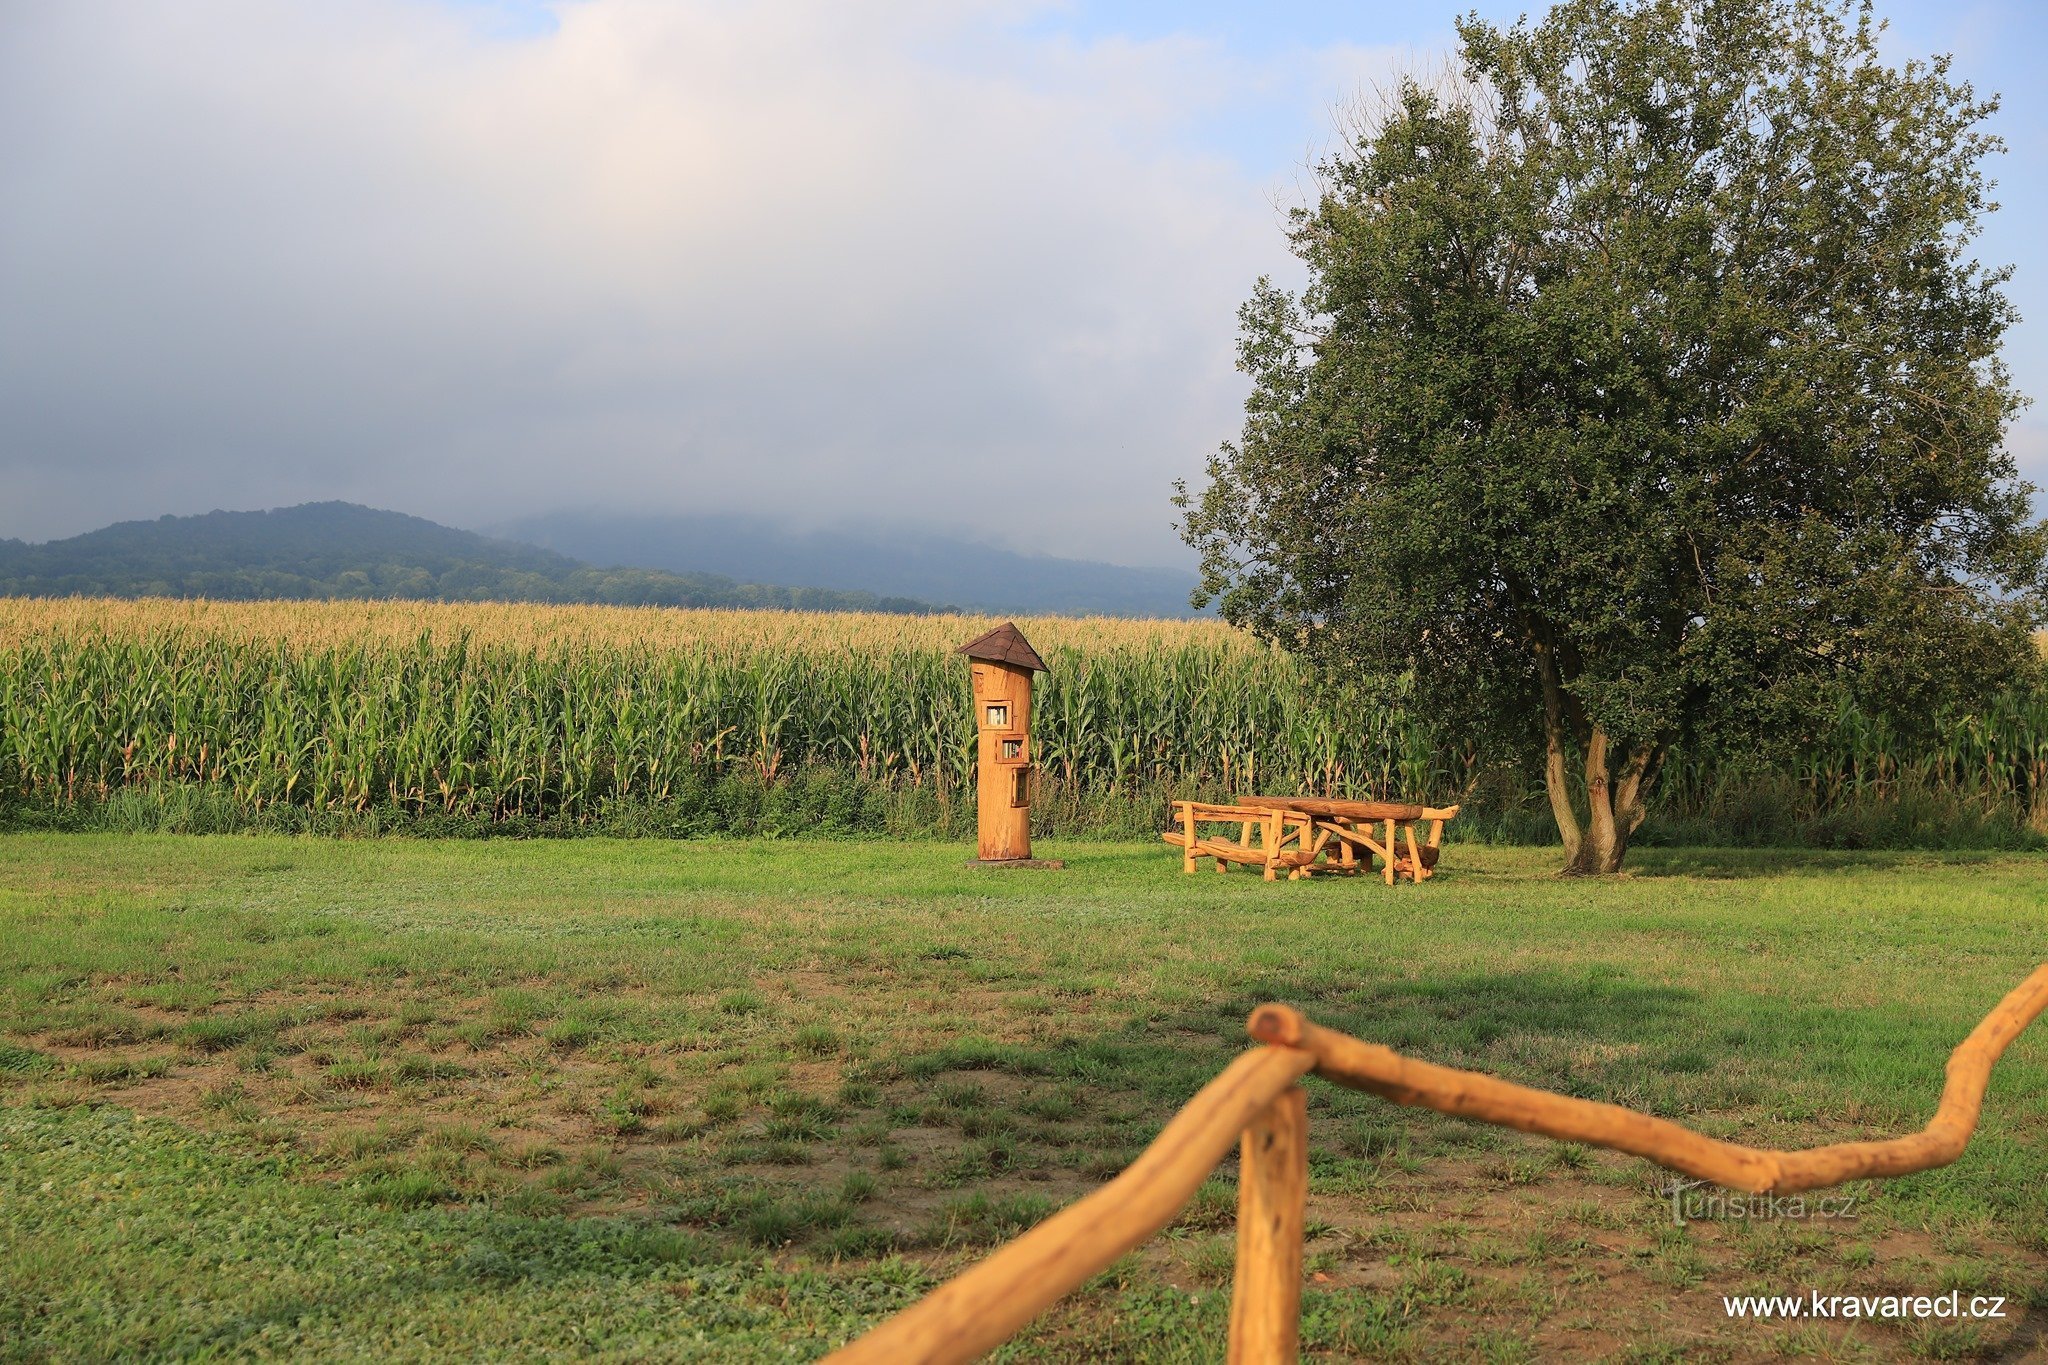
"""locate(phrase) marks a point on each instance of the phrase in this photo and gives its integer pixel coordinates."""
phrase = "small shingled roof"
(1004, 645)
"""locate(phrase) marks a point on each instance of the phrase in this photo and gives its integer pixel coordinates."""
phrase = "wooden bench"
(1328, 836)
(1274, 831)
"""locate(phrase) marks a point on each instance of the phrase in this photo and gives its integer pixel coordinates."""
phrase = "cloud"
(897, 261)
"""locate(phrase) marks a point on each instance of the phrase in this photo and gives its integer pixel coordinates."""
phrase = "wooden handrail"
(985, 1305)
(1256, 1097)
(1385, 1072)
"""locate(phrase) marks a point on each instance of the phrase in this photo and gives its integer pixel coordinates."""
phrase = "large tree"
(1644, 391)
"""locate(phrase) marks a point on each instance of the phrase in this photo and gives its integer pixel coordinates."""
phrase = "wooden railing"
(1258, 1103)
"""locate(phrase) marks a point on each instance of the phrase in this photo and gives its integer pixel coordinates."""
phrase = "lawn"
(712, 1100)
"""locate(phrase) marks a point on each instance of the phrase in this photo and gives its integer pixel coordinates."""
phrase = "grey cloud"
(819, 260)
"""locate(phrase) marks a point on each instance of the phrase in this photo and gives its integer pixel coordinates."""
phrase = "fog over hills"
(341, 550)
(927, 564)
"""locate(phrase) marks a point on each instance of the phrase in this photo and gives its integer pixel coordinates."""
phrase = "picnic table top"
(1333, 809)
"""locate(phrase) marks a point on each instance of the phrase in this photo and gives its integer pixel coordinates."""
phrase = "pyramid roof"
(1005, 645)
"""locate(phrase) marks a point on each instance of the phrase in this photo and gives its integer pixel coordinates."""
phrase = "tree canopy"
(1644, 391)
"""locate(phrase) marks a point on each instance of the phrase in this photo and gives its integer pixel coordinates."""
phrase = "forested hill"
(337, 549)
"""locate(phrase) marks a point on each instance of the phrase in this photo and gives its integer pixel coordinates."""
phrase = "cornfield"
(561, 713)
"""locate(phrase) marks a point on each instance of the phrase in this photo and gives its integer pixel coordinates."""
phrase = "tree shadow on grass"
(1593, 1033)
(1734, 863)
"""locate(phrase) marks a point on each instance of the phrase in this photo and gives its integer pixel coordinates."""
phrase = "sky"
(964, 263)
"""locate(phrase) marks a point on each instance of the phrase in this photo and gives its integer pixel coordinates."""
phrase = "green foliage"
(1645, 393)
(172, 731)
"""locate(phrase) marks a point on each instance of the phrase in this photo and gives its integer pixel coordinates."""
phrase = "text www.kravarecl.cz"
(1868, 1306)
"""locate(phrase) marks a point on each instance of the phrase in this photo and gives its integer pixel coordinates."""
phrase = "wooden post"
(1002, 663)
(1187, 826)
(1416, 871)
(1390, 853)
(1272, 1203)
(1272, 843)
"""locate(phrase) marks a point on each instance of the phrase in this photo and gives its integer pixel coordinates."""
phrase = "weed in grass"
(255, 1059)
(859, 1094)
(857, 1187)
(815, 1040)
(358, 1074)
(1502, 1348)
(741, 1003)
(680, 1128)
(1210, 1260)
(1213, 1206)
(758, 1078)
(531, 1201)
(1354, 1323)
(986, 1123)
(220, 1032)
(981, 1220)
(620, 1113)
(418, 1068)
(1571, 1156)
(1373, 1138)
(857, 1243)
(416, 1015)
(458, 1137)
(979, 1160)
(531, 1156)
(1054, 1106)
(115, 1070)
(1676, 1261)
(781, 1153)
(960, 1094)
(230, 1099)
(358, 1144)
(23, 1061)
(1929, 1340)
(566, 1035)
(590, 1173)
(405, 1190)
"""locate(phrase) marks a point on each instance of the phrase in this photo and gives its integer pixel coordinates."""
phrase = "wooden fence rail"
(1257, 1102)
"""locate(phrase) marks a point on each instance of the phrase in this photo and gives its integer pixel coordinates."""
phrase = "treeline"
(336, 550)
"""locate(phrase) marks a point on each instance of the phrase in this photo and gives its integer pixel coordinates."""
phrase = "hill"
(929, 565)
(337, 549)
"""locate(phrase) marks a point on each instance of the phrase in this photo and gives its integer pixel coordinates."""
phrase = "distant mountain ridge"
(928, 565)
(341, 550)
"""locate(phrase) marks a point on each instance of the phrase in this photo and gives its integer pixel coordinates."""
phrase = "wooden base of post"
(1272, 1209)
(1052, 864)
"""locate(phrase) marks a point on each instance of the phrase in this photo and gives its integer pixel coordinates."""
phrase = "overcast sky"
(906, 260)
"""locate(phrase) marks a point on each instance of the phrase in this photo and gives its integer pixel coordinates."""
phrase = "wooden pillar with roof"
(1002, 664)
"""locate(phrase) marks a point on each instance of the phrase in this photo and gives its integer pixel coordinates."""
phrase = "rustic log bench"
(1313, 836)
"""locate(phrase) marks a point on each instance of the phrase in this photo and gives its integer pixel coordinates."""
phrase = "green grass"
(706, 1100)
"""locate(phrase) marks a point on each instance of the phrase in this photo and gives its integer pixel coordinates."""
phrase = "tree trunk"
(1603, 845)
(1614, 804)
(1556, 744)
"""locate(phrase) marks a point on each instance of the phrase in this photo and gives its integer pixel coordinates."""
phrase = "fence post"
(1272, 1198)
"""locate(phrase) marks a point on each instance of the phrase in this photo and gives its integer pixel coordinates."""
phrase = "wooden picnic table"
(1326, 835)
